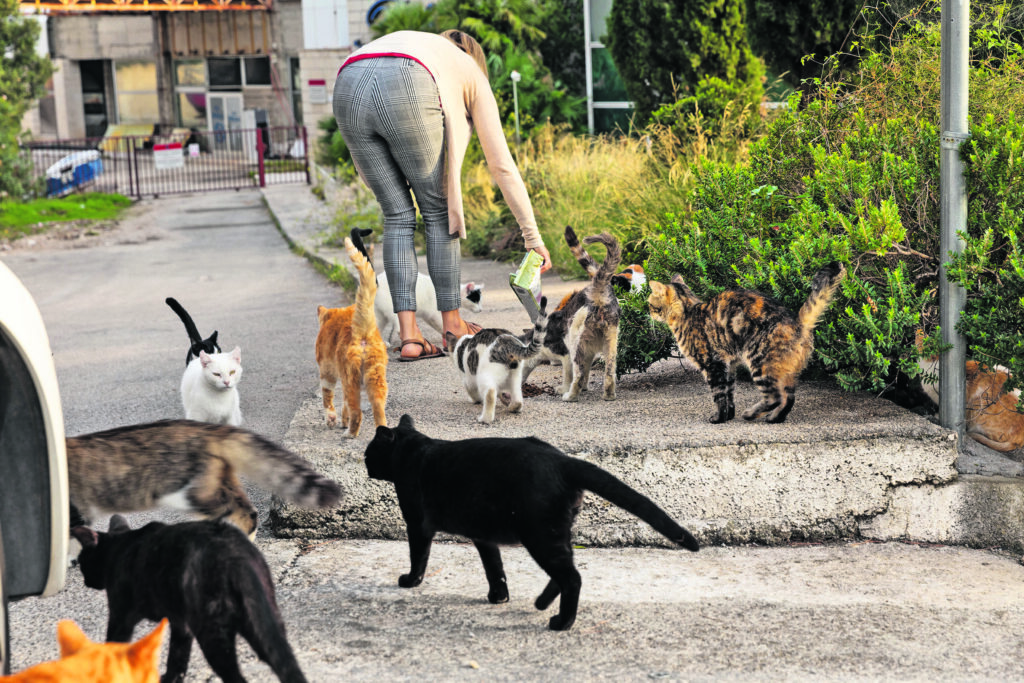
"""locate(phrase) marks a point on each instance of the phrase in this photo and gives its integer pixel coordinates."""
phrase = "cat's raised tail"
(585, 475)
(364, 318)
(823, 287)
(196, 342)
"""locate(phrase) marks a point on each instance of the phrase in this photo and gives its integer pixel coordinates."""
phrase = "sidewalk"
(842, 466)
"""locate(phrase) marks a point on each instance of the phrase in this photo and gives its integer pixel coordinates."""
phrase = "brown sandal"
(428, 350)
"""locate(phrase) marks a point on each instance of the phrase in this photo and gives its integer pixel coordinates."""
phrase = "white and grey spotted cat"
(586, 323)
(491, 363)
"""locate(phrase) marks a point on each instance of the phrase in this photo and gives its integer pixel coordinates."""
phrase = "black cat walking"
(205, 577)
(496, 491)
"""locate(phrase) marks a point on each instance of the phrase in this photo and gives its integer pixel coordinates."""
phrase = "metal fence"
(154, 165)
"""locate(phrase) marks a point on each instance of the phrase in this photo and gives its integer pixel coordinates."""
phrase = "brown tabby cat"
(192, 466)
(586, 323)
(83, 661)
(742, 326)
(992, 417)
(349, 348)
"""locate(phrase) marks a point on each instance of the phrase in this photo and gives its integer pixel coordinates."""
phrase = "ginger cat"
(83, 661)
(349, 349)
(992, 417)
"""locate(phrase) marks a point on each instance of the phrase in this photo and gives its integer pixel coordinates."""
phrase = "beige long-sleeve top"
(467, 102)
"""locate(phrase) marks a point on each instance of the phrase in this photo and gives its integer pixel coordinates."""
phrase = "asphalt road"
(860, 611)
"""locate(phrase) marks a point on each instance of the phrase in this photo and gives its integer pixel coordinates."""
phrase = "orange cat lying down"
(83, 661)
(992, 417)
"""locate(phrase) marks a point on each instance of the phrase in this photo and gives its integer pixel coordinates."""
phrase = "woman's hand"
(543, 251)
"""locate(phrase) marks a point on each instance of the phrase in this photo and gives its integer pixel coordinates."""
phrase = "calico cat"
(196, 343)
(501, 491)
(585, 325)
(743, 326)
(491, 363)
(204, 577)
(187, 465)
(632, 279)
(991, 412)
(83, 661)
(426, 305)
(209, 388)
(349, 349)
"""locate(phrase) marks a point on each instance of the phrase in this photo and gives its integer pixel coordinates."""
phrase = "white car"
(33, 463)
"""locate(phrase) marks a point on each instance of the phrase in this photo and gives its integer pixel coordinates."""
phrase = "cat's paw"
(718, 418)
(557, 623)
(515, 407)
(570, 397)
(505, 398)
(609, 395)
(351, 434)
(485, 419)
(498, 594)
(409, 581)
(332, 420)
(750, 415)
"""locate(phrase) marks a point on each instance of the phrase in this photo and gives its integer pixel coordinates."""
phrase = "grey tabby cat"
(186, 465)
(586, 323)
(491, 363)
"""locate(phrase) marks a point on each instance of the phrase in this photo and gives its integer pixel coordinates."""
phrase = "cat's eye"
(655, 309)
(232, 372)
(216, 374)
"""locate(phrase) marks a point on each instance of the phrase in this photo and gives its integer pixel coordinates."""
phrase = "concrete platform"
(844, 465)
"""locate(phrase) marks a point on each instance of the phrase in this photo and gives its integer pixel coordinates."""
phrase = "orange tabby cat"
(349, 348)
(83, 661)
(992, 417)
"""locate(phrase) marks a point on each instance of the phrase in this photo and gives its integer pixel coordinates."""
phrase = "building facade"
(140, 66)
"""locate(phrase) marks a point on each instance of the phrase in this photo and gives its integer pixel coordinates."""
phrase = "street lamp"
(516, 77)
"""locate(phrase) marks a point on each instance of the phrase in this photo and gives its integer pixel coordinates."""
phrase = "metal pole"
(516, 77)
(953, 191)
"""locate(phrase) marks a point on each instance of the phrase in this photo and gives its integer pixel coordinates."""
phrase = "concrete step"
(843, 466)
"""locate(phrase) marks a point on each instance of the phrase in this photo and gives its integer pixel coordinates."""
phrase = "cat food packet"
(525, 282)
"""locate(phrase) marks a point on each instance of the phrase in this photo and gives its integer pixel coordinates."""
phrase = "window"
(225, 73)
(608, 106)
(137, 100)
(257, 70)
(190, 72)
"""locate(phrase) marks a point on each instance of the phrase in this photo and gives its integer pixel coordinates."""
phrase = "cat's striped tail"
(265, 463)
(613, 256)
(584, 259)
(823, 287)
(364, 317)
(585, 475)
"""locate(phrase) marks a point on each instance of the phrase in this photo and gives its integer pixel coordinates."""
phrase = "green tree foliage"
(662, 48)
(23, 75)
(784, 32)
(512, 33)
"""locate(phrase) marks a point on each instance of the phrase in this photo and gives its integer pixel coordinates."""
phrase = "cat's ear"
(213, 338)
(681, 289)
(204, 358)
(384, 433)
(86, 536)
(145, 652)
(70, 638)
(450, 341)
(406, 421)
(236, 354)
(118, 525)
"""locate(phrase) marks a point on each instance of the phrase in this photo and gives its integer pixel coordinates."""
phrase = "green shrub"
(991, 267)
(854, 175)
(642, 340)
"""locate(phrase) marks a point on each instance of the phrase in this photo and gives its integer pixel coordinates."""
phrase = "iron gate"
(154, 165)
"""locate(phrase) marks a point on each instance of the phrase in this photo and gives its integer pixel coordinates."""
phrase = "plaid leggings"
(389, 115)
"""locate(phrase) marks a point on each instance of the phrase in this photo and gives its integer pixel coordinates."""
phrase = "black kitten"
(501, 491)
(205, 577)
(196, 343)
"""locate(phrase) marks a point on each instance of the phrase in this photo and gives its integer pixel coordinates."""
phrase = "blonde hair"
(468, 44)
